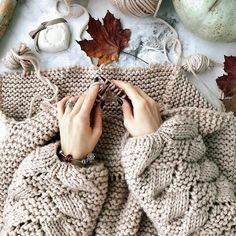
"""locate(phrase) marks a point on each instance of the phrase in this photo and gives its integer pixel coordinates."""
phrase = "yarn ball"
(198, 63)
(140, 8)
(19, 58)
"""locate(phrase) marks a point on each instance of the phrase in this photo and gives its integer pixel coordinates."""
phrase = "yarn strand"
(200, 63)
(69, 5)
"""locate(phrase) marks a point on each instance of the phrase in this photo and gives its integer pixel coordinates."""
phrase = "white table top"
(145, 32)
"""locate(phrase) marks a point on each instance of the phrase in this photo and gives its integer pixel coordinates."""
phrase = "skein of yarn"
(139, 8)
(198, 63)
(20, 57)
(25, 58)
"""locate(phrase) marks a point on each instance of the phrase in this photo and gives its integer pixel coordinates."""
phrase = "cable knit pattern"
(178, 188)
(179, 181)
(50, 197)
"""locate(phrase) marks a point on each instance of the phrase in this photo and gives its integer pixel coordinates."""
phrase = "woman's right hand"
(78, 136)
(144, 117)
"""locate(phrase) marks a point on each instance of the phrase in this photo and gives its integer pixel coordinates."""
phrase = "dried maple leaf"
(108, 40)
(227, 83)
(230, 65)
(230, 104)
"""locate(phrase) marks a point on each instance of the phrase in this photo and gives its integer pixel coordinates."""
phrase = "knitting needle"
(120, 94)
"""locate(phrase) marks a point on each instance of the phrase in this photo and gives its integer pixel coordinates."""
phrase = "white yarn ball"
(139, 8)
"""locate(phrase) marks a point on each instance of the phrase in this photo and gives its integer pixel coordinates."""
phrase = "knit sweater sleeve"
(50, 197)
(179, 189)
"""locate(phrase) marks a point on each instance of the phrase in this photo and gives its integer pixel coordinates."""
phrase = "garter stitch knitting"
(178, 181)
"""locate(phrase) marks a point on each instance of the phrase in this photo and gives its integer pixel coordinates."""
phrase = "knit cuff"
(45, 162)
(53, 194)
(139, 152)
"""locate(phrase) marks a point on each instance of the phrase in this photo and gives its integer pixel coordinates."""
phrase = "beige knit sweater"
(177, 181)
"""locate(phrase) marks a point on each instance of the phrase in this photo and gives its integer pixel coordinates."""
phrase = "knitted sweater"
(179, 180)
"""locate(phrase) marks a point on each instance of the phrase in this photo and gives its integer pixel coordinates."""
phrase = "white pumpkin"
(212, 19)
(6, 10)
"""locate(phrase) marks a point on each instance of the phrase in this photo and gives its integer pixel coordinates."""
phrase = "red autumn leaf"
(108, 40)
(230, 65)
(228, 82)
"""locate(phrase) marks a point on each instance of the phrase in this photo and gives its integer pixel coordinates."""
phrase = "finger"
(142, 93)
(129, 90)
(89, 100)
(70, 105)
(127, 110)
(78, 104)
(61, 107)
(97, 126)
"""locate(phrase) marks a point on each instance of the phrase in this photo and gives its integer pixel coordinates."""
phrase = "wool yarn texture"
(140, 8)
(179, 180)
(23, 57)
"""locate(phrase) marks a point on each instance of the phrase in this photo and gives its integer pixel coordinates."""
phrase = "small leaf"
(230, 104)
(227, 83)
(230, 65)
(108, 40)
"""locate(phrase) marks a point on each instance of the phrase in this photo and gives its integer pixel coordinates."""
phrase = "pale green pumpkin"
(6, 10)
(212, 19)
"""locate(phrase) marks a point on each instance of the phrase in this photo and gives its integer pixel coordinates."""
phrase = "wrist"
(79, 160)
(76, 155)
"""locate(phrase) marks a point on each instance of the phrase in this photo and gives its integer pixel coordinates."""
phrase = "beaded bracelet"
(69, 158)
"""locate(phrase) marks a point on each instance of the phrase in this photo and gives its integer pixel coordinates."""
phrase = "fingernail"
(120, 101)
(102, 104)
(96, 79)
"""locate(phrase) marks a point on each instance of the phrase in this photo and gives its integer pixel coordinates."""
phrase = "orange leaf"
(108, 40)
(230, 102)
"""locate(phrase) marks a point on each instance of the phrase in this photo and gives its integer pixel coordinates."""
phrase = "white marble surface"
(146, 32)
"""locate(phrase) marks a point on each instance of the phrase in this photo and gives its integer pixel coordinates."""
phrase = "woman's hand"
(144, 117)
(78, 137)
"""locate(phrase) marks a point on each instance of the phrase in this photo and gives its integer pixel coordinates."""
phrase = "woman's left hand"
(78, 136)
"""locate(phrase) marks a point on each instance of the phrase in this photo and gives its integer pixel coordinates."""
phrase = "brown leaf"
(108, 40)
(227, 83)
(230, 103)
(230, 65)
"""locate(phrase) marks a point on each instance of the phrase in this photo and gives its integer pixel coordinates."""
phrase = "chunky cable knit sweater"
(177, 181)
